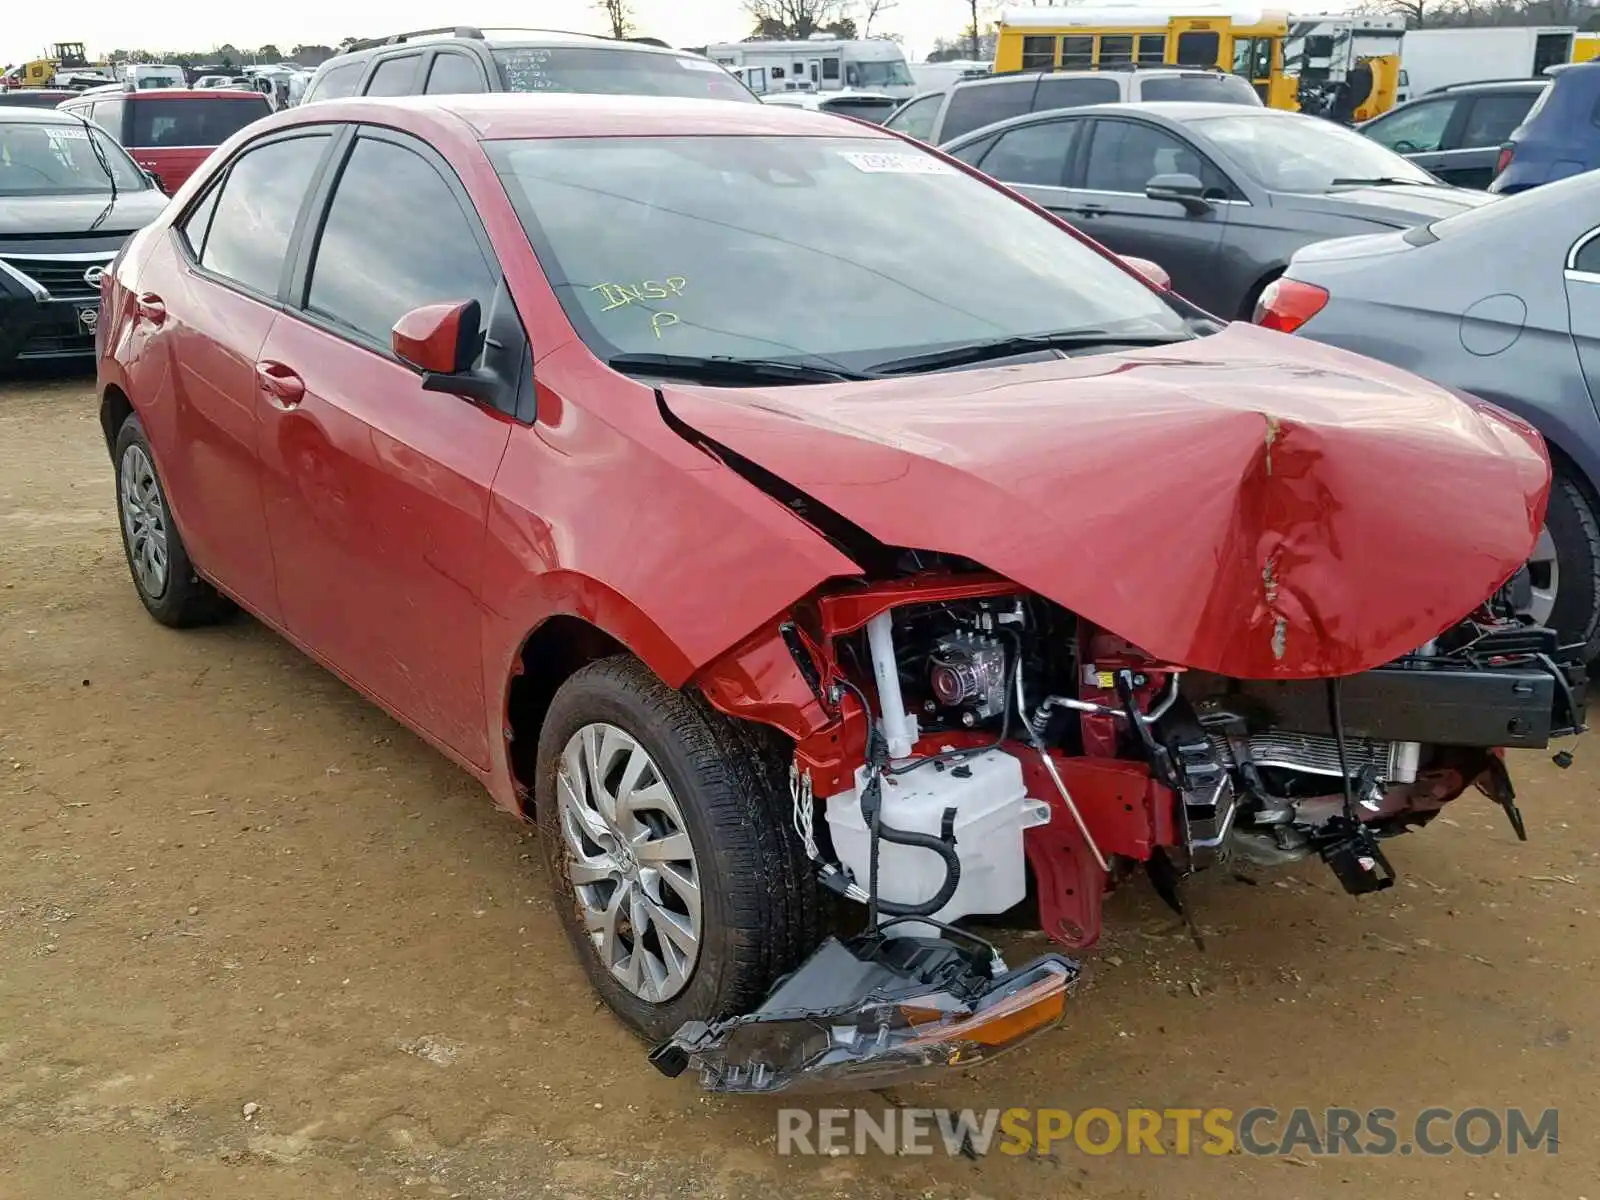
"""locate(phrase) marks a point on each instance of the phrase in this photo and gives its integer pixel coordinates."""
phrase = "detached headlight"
(874, 1010)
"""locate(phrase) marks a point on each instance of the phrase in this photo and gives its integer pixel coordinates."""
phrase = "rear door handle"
(152, 308)
(283, 387)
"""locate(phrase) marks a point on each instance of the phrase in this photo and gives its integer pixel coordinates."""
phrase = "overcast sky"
(28, 27)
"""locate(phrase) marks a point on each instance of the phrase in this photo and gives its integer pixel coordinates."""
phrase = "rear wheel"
(162, 574)
(1565, 567)
(666, 838)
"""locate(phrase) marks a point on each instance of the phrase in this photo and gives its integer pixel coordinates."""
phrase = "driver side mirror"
(442, 341)
(155, 182)
(1182, 189)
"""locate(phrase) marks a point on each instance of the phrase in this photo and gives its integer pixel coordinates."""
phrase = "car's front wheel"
(1564, 570)
(669, 850)
(163, 576)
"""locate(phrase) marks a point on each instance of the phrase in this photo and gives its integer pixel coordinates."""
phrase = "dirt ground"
(229, 885)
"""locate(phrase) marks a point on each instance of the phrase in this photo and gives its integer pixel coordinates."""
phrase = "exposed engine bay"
(983, 743)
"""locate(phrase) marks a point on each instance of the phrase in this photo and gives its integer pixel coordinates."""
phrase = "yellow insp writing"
(619, 295)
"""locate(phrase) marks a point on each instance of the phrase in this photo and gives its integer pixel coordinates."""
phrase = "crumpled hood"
(1248, 503)
(1400, 205)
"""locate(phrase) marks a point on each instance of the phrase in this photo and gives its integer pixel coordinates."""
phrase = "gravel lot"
(229, 886)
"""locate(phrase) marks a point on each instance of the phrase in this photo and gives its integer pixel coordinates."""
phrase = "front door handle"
(283, 387)
(152, 308)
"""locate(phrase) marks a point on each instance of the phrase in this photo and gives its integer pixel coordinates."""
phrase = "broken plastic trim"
(871, 1011)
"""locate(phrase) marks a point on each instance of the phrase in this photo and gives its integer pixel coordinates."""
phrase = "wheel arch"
(115, 409)
(1247, 310)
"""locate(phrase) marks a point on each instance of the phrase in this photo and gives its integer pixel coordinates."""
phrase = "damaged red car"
(808, 533)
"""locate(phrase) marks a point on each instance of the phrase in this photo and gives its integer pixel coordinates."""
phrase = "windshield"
(616, 73)
(801, 249)
(57, 160)
(882, 74)
(1201, 89)
(1304, 154)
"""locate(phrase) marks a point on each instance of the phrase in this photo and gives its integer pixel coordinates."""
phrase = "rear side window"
(454, 75)
(395, 76)
(1074, 93)
(618, 72)
(338, 83)
(389, 196)
(1034, 154)
(255, 212)
(916, 118)
(985, 103)
(1491, 118)
(1201, 89)
(1587, 259)
(192, 121)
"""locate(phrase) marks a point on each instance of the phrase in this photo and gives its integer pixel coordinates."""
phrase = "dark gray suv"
(459, 60)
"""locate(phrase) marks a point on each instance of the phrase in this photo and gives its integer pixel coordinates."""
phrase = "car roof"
(19, 113)
(1172, 110)
(504, 39)
(496, 115)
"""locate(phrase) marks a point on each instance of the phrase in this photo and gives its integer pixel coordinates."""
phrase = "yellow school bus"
(1247, 43)
(1294, 62)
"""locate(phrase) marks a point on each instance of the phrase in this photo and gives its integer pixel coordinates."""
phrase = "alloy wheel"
(630, 860)
(144, 520)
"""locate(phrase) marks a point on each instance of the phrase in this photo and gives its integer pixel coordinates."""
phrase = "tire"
(162, 572)
(725, 788)
(1575, 532)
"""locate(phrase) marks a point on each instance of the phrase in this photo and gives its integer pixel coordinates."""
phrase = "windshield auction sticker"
(878, 162)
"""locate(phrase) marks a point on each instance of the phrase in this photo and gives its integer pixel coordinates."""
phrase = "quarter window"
(1588, 258)
(255, 213)
(454, 75)
(395, 239)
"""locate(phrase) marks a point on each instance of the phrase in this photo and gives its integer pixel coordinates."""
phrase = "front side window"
(60, 160)
(454, 75)
(916, 118)
(800, 249)
(1291, 153)
(618, 72)
(395, 239)
(394, 76)
(1418, 129)
(260, 199)
(1125, 155)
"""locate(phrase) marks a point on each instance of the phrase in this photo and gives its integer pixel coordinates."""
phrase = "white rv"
(818, 64)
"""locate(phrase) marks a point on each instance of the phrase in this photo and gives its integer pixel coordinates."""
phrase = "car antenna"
(105, 165)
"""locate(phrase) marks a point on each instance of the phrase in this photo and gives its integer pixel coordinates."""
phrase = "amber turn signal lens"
(1028, 1010)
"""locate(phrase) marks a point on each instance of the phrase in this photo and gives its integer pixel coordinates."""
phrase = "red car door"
(207, 299)
(377, 492)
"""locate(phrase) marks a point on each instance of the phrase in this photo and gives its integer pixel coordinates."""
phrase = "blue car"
(1560, 135)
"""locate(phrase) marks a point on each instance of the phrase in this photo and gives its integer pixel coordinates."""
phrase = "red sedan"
(771, 507)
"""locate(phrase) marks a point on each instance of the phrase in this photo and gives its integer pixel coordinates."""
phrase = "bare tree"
(796, 18)
(975, 33)
(873, 9)
(620, 15)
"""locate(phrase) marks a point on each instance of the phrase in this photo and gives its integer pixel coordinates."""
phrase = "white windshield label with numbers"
(880, 162)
